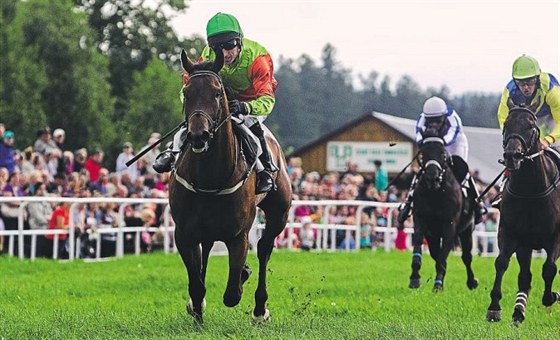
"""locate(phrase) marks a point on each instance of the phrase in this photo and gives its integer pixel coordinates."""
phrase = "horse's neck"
(533, 175)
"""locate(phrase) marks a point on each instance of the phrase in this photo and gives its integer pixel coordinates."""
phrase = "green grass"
(311, 295)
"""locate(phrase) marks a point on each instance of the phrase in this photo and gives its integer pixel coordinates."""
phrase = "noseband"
(443, 170)
(215, 124)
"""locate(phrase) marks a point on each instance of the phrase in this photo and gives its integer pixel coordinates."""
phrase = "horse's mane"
(202, 66)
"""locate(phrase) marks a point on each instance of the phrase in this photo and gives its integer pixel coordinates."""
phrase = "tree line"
(107, 71)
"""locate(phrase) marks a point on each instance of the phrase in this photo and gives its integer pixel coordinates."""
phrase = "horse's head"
(520, 135)
(204, 101)
(434, 161)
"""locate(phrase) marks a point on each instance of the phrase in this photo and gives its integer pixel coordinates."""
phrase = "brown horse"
(529, 213)
(212, 193)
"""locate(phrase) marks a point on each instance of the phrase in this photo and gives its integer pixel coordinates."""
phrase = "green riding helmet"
(525, 67)
(223, 27)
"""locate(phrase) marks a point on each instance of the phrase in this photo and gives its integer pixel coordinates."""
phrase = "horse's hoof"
(516, 323)
(232, 300)
(493, 315)
(414, 283)
(473, 284)
(261, 318)
(191, 312)
(437, 288)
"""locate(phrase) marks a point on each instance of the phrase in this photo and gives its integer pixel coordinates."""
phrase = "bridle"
(215, 124)
(442, 169)
(525, 155)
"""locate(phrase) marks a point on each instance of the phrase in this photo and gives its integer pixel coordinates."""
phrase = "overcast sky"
(468, 45)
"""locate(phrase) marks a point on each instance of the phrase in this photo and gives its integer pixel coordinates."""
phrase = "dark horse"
(529, 213)
(212, 193)
(440, 211)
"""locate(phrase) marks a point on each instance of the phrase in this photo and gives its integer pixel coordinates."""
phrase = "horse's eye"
(218, 94)
(517, 155)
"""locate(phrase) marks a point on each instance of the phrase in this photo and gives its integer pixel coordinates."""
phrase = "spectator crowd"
(47, 168)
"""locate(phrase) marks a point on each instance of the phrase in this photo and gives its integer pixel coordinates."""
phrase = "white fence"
(326, 233)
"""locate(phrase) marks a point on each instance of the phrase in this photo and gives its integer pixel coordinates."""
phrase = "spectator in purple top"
(7, 152)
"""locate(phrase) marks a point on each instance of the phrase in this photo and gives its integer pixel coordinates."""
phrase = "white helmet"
(434, 107)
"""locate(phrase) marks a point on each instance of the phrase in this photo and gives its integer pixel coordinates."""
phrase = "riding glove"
(238, 108)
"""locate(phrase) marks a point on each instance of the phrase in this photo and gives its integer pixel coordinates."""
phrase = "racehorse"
(440, 211)
(529, 213)
(212, 193)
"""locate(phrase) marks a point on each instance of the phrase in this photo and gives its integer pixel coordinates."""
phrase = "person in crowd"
(307, 234)
(146, 161)
(437, 116)
(44, 142)
(59, 137)
(249, 72)
(94, 164)
(528, 86)
(80, 158)
(381, 177)
(101, 185)
(39, 215)
(126, 155)
(491, 225)
(60, 219)
(10, 210)
(7, 159)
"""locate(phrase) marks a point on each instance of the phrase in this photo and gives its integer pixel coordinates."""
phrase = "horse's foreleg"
(466, 256)
(548, 274)
(523, 283)
(191, 256)
(439, 254)
(494, 312)
(417, 239)
(237, 249)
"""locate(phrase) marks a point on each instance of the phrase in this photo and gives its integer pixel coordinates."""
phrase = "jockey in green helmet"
(249, 73)
(528, 86)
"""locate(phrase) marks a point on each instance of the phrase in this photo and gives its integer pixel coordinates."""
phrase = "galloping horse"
(440, 212)
(212, 193)
(529, 213)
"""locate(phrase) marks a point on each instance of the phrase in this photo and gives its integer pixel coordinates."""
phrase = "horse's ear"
(219, 62)
(533, 107)
(186, 62)
(510, 104)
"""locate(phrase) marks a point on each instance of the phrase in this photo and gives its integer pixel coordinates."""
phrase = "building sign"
(394, 158)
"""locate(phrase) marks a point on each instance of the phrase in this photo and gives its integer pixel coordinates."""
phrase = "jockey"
(248, 71)
(528, 86)
(437, 115)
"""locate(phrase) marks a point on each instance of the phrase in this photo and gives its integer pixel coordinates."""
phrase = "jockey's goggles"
(526, 82)
(229, 45)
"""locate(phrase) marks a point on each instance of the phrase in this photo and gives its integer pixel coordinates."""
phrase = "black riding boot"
(404, 211)
(406, 206)
(265, 183)
(164, 161)
(479, 208)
